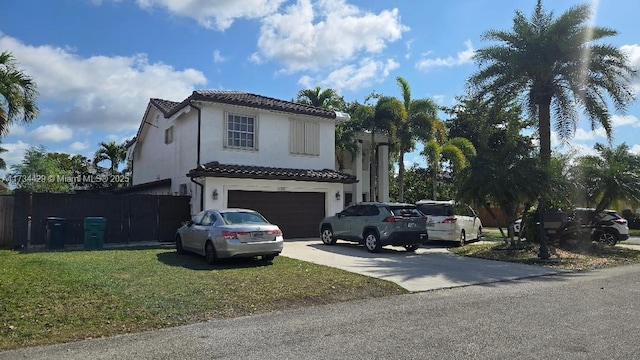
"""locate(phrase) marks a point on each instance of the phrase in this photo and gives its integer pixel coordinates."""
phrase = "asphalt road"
(591, 315)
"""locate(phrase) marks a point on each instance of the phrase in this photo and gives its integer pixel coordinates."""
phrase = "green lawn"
(51, 297)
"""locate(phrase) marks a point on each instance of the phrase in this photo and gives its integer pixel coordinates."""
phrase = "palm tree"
(510, 174)
(458, 151)
(112, 152)
(327, 98)
(554, 63)
(345, 133)
(389, 115)
(421, 124)
(610, 176)
(18, 94)
(3, 164)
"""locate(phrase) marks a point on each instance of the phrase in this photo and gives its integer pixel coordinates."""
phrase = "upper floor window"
(241, 132)
(168, 135)
(305, 138)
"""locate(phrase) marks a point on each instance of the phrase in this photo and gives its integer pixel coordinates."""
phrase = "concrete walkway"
(431, 267)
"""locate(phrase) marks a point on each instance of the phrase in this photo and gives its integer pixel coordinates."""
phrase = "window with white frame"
(168, 135)
(305, 138)
(241, 132)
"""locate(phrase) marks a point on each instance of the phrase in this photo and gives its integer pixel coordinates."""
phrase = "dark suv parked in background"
(375, 225)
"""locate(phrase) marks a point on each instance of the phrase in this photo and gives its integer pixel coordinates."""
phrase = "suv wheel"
(463, 238)
(327, 236)
(372, 242)
(607, 237)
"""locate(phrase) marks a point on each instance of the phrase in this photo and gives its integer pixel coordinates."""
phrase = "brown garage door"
(296, 213)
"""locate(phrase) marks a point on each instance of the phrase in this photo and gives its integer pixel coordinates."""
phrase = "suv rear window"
(436, 209)
(405, 211)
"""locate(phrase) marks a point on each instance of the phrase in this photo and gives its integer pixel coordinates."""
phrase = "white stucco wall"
(273, 139)
(154, 160)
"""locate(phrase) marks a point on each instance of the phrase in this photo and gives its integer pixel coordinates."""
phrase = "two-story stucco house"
(236, 149)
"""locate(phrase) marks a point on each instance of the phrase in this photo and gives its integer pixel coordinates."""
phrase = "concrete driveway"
(430, 267)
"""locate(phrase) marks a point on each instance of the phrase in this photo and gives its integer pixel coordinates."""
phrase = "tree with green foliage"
(3, 164)
(41, 171)
(610, 176)
(456, 152)
(18, 94)
(345, 132)
(505, 172)
(554, 64)
(421, 124)
(327, 98)
(389, 115)
(112, 152)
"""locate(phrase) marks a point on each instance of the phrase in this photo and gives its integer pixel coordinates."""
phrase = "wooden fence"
(129, 218)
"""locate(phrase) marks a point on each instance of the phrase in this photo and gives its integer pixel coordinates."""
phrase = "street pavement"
(431, 267)
(584, 315)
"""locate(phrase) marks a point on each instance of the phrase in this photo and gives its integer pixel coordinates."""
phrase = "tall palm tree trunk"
(401, 177)
(544, 128)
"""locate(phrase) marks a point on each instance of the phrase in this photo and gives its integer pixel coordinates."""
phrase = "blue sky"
(97, 62)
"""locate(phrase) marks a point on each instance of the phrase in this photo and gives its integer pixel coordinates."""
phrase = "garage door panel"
(296, 213)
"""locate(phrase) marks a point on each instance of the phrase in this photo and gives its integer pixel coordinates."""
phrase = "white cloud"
(622, 120)
(255, 58)
(99, 91)
(51, 132)
(78, 146)
(635, 149)
(217, 57)
(15, 152)
(352, 77)
(15, 129)
(439, 99)
(461, 58)
(586, 135)
(326, 33)
(218, 14)
(633, 54)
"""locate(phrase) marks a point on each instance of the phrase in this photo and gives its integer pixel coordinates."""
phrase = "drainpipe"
(198, 139)
(198, 153)
(201, 193)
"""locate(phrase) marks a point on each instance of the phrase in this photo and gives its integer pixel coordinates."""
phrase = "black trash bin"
(94, 232)
(56, 232)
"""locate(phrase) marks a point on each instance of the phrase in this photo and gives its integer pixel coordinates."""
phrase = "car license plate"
(411, 224)
(257, 235)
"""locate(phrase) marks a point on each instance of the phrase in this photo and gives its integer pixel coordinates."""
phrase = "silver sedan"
(227, 233)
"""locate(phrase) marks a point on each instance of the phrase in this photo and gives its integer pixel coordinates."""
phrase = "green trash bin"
(56, 232)
(94, 232)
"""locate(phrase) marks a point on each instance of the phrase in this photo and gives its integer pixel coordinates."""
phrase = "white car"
(450, 221)
(516, 227)
(609, 227)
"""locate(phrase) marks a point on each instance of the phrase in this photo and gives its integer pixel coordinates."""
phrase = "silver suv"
(375, 225)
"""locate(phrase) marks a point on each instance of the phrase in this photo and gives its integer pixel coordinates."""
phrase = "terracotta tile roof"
(244, 99)
(165, 106)
(215, 169)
